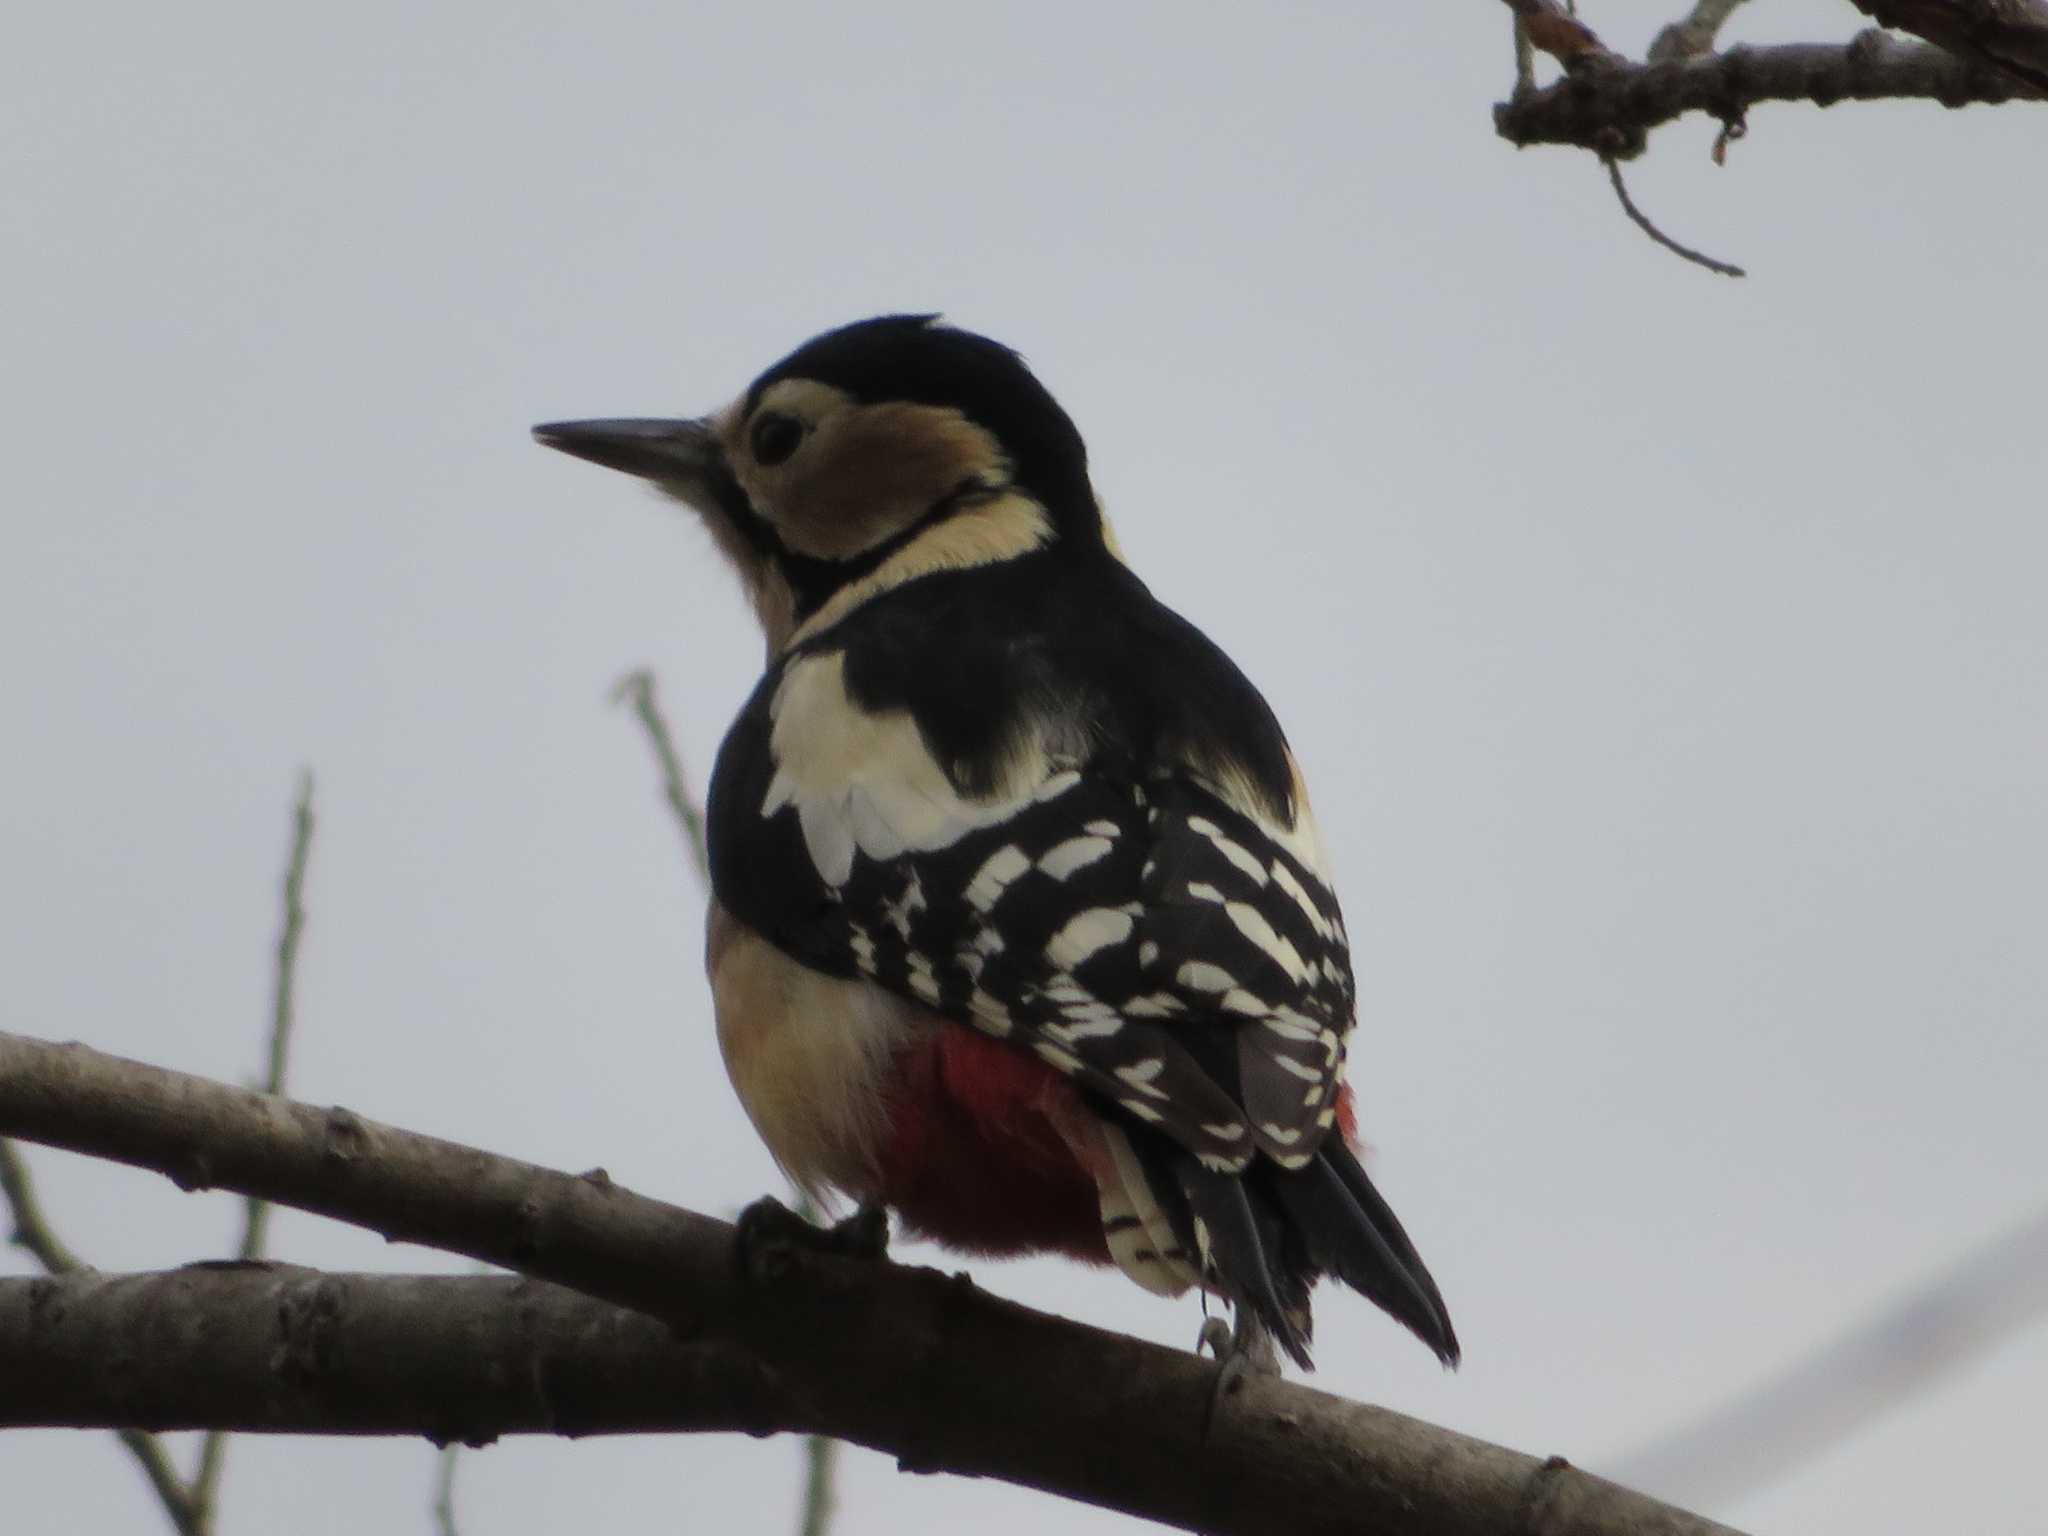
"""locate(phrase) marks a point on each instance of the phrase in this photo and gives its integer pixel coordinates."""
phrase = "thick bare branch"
(894, 1358)
(33, 1231)
(2008, 35)
(276, 1348)
(1612, 109)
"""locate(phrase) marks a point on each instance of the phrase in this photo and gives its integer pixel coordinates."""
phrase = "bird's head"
(871, 453)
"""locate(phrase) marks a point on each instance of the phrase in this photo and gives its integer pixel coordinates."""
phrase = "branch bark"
(34, 1233)
(1611, 108)
(2008, 35)
(280, 1349)
(908, 1361)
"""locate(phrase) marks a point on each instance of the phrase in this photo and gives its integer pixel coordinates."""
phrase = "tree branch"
(637, 689)
(2008, 35)
(821, 1454)
(280, 1349)
(908, 1361)
(1813, 1404)
(204, 1492)
(33, 1233)
(1695, 33)
(32, 1230)
(1641, 221)
(292, 927)
(1611, 109)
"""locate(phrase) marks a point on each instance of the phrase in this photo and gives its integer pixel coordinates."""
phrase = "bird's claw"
(769, 1232)
(1243, 1351)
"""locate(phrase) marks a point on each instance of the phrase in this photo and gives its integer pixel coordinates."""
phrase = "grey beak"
(652, 448)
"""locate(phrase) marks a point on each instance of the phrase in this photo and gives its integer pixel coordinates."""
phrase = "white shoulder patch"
(864, 783)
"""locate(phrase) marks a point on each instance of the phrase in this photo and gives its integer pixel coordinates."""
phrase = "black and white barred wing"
(1165, 948)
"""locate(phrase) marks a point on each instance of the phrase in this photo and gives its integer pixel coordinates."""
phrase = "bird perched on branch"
(1021, 925)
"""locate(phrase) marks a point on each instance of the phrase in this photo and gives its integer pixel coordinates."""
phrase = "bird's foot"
(1243, 1351)
(768, 1232)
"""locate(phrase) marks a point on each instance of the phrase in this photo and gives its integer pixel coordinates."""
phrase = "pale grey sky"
(1664, 652)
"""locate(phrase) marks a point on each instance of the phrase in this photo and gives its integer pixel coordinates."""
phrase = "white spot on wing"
(1289, 1064)
(1251, 922)
(1064, 992)
(1056, 786)
(1284, 878)
(1141, 1075)
(1202, 976)
(1087, 934)
(990, 1013)
(897, 914)
(1232, 850)
(1290, 1025)
(1075, 853)
(1053, 1055)
(1155, 1005)
(1100, 1027)
(996, 872)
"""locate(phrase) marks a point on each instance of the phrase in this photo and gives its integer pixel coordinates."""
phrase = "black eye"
(774, 438)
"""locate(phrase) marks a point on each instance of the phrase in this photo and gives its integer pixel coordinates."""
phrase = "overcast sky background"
(1665, 652)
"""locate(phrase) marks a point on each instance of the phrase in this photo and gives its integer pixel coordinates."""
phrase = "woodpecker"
(1021, 926)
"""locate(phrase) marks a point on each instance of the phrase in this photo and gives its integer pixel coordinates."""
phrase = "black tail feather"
(1246, 1253)
(1352, 1232)
(1272, 1232)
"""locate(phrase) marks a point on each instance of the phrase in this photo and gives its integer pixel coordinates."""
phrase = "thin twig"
(821, 1461)
(1817, 1402)
(33, 1233)
(256, 1220)
(1525, 59)
(32, 1229)
(179, 1503)
(256, 1230)
(821, 1452)
(444, 1491)
(637, 689)
(1694, 34)
(1643, 223)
